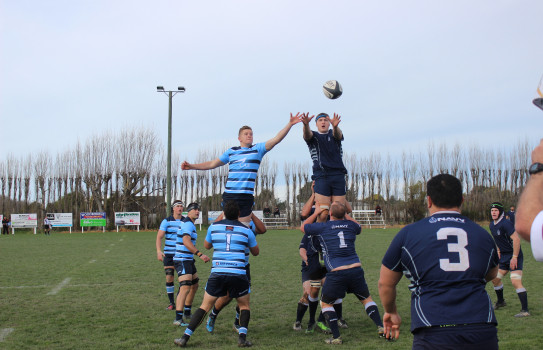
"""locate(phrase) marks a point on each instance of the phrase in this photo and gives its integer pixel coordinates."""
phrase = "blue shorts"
(313, 271)
(235, 286)
(185, 267)
(245, 201)
(168, 260)
(479, 336)
(505, 259)
(330, 185)
(338, 283)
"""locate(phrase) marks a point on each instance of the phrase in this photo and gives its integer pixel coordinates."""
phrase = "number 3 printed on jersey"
(460, 248)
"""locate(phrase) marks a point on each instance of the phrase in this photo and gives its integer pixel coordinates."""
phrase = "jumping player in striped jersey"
(229, 238)
(168, 232)
(243, 163)
(185, 249)
(448, 259)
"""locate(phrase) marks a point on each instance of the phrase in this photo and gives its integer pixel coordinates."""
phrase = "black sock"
(236, 321)
(321, 317)
(313, 310)
(331, 317)
(499, 294)
(523, 296)
(373, 313)
(300, 312)
(178, 314)
(339, 310)
(196, 319)
(214, 312)
(188, 309)
(244, 317)
(170, 290)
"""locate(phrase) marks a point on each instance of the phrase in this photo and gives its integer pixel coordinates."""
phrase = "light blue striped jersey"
(170, 225)
(230, 239)
(243, 164)
(181, 252)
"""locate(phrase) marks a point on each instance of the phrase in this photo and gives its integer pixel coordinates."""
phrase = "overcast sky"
(411, 71)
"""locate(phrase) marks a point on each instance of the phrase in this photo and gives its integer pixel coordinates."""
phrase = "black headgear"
(498, 206)
(193, 206)
(177, 202)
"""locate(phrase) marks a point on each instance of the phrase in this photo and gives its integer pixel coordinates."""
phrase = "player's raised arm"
(311, 219)
(308, 134)
(283, 132)
(212, 164)
(338, 134)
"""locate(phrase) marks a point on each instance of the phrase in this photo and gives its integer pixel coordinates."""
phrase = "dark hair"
(337, 210)
(231, 210)
(445, 191)
(193, 206)
(245, 127)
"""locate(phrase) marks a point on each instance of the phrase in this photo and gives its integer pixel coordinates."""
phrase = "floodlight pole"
(170, 94)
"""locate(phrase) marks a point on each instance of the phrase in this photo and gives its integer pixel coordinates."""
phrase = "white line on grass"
(59, 286)
(4, 332)
(92, 261)
(106, 251)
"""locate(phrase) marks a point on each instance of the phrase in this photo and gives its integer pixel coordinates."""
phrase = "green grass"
(115, 298)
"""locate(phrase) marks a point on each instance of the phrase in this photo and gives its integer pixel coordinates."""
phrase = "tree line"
(126, 171)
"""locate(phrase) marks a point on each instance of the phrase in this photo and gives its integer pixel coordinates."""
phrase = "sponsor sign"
(24, 220)
(212, 216)
(127, 218)
(61, 219)
(92, 219)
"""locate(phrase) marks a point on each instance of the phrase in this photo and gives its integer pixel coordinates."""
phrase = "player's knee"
(169, 271)
(186, 283)
(315, 284)
(499, 276)
(303, 300)
(515, 276)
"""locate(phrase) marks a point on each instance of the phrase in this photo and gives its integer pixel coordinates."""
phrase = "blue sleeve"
(356, 227)
(303, 243)
(509, 227)
(261, 147)
(164, 225)
(185, 229)
(208, 235)
(313, 229)
(393, 256)
(252, 239)
(225, 158)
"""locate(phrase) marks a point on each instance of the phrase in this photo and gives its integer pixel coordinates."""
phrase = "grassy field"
(106, 291)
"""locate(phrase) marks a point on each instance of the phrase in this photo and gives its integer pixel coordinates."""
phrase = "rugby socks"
(338, 307)
(244, 317)
(236, 321)
(170, 289)
(373, 313)
(321, 317)
(523, 296)
(187, 310)
(214, 312)
(313, 305)
(196, 320)
(331, 316)
(178, 315)
(499, 293)
(300, 312)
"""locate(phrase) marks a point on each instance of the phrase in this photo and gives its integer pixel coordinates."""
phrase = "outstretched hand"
(306, 118)
(295, 119)
(185, 165)
(336, 120)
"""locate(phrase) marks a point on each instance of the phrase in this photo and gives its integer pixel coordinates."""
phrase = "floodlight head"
(160, 88)
(181, 88)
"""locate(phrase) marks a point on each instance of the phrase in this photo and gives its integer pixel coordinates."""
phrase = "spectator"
(5, 225)
(510, 215)
(267, 211)
(378, 210)
(276, 212)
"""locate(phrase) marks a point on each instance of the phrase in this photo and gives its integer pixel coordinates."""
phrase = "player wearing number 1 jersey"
(448, 259)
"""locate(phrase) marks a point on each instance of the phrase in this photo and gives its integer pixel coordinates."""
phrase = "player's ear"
(429, 201)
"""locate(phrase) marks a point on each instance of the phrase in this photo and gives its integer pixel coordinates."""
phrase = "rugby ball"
(332, 89)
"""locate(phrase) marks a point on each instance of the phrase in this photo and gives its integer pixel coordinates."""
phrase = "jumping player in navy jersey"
(511, 258)
(168, 232)
(243, 163)
(185, 249)
(258, 228)
(326, 152)
(448, 259)
(345, 273)
(229, 239)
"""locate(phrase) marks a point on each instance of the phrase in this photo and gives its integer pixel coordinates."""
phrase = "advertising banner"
(24, 220)
(61, 219)
(92, 219)
(127, 218)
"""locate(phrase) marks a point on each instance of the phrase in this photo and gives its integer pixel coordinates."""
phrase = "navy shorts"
(314, 271)
(480, 336)
(330, 185)
(235, 286)
(185, 267)
(340, 282)
(245, 201)
(168, 260)
(505, 259)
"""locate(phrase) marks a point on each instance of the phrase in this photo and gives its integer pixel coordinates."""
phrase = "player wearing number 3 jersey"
(448, 259)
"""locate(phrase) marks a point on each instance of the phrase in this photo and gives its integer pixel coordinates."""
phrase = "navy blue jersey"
(187, 228)
(311, 245)
(446, 257)
(337, 241)
(230, 239)
(502, 232)
(243, 164)
(511, 216)
(326, 153)
(170, 225)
